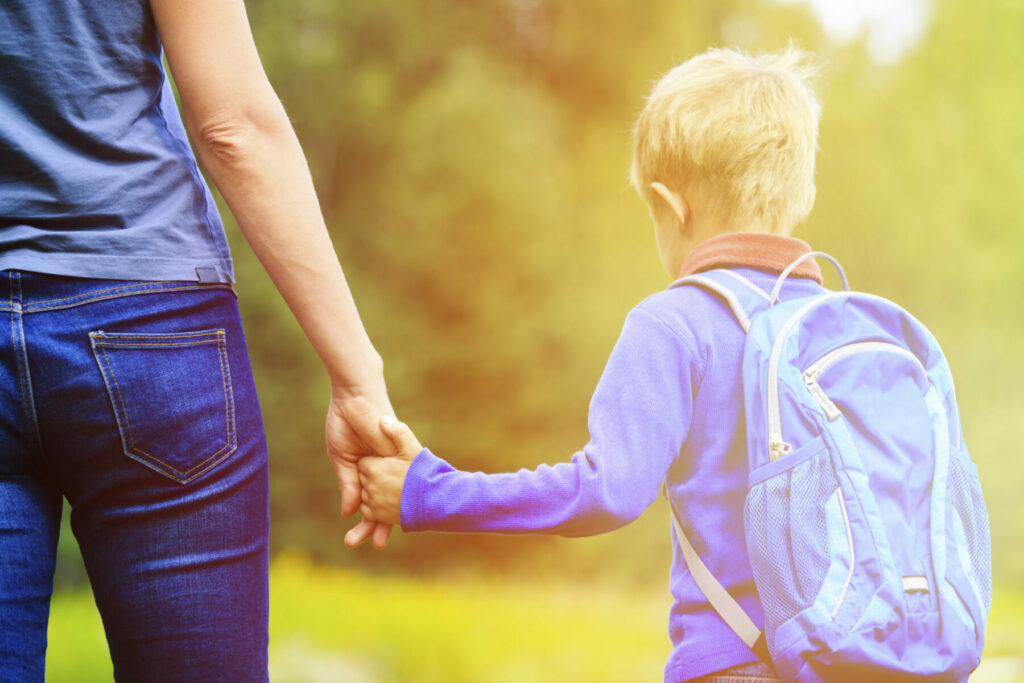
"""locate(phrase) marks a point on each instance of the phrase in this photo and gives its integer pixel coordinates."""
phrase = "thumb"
(400, 434)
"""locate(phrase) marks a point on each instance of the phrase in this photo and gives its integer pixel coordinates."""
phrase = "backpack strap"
(731, 612)
(774, 298)
(743, 297)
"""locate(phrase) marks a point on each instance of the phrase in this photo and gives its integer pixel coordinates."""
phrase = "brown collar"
(751, 250)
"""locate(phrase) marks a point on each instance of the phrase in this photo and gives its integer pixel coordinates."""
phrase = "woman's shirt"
(97, 178)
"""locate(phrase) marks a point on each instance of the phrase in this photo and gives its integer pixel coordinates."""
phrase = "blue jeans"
(135, 401)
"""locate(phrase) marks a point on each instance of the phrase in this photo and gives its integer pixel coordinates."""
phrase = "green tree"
(471, 159)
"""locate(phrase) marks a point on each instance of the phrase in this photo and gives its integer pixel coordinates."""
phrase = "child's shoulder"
(697, 317)
(679, 314)
(686, 309)
(695, 308)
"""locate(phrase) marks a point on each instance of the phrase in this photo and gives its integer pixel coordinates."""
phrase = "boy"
(724, 158)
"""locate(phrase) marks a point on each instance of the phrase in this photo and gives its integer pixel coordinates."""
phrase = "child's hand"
(382, 479)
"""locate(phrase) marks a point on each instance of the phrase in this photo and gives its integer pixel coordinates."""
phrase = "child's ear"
(673, 201)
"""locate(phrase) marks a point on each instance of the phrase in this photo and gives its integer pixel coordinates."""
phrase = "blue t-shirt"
(97, 178)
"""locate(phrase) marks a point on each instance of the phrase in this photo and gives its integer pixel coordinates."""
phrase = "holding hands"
(381, 480)
(353, 432)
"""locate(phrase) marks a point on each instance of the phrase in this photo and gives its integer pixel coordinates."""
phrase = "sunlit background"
(471, 160)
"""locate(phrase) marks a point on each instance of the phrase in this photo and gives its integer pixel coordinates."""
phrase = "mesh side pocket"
(787, 538)
(965, 497)
(813, 483)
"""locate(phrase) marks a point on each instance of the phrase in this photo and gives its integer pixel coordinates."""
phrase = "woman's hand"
(353, 433)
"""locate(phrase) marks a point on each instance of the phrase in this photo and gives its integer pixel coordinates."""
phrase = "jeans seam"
(229, 391)
(96, 291)
(21, 360)
(229, 408)
(71, 302)
(16, 349)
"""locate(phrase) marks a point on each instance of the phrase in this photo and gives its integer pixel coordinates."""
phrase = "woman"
(127, 386)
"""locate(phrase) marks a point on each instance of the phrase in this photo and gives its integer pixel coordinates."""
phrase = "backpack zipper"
(777, 447)
(812, 373)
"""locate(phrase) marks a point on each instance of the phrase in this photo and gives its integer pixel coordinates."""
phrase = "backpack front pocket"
(172, 398)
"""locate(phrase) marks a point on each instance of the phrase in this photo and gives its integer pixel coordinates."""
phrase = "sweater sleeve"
(639, 418)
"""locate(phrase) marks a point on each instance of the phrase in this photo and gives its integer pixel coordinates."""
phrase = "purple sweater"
(668, 407)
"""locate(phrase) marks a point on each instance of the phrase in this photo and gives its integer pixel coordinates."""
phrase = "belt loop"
(14, 289)
(207, 275)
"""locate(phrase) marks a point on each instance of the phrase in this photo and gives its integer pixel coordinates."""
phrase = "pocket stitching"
(139, 345)
(102, 338)
(218, 338)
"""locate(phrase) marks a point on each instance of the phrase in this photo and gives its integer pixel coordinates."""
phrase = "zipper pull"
(777, 449)
(830, 408)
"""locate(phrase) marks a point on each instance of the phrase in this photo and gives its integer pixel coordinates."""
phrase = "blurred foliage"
(471, 158)
(329, 625)
(335, 625)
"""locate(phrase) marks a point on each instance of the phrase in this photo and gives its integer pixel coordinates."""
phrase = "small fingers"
(366, 479)
(359, 533)
(381, 535)
(365, 466)
(349, 484)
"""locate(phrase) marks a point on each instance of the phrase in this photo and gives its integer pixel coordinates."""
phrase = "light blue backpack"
(864, 519)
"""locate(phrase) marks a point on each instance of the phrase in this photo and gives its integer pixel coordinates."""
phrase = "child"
(724, 158)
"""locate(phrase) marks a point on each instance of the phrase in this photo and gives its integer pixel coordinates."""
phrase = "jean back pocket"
(172, 398)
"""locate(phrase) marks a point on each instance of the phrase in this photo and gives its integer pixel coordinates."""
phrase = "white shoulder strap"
(744, 300)
(731, 612)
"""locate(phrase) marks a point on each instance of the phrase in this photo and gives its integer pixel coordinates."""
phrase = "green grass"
(333, 625)
(78, 650)
(400, 629)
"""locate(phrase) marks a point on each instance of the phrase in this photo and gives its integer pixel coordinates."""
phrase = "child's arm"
(639, 418)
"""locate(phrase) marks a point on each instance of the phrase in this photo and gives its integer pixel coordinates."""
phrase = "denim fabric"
(135, 402)
(757, 672)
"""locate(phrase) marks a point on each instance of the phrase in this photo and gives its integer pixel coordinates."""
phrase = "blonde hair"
(739, 130)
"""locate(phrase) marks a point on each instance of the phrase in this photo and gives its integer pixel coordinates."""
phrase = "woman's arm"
(245, 141)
